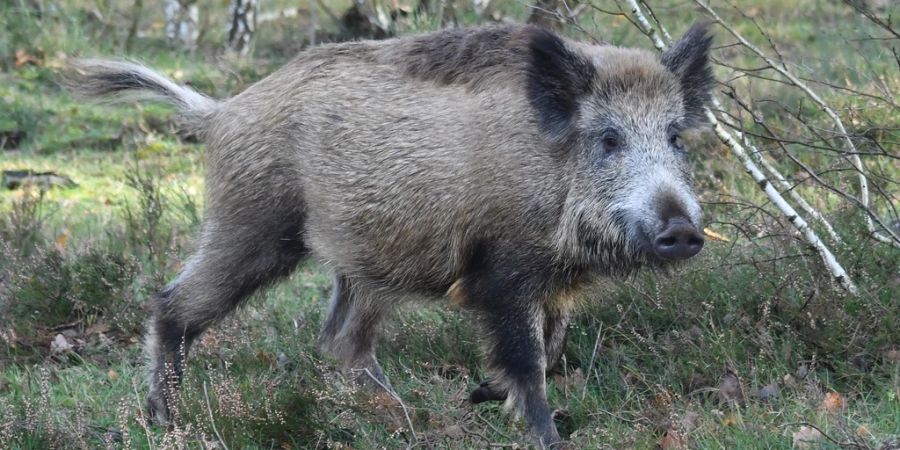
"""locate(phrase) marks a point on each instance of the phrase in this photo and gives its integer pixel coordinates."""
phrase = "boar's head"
(617, 116)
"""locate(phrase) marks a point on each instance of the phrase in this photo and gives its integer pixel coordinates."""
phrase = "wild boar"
(506, 167)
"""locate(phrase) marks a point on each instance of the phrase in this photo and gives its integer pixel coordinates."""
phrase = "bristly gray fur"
(506, 166)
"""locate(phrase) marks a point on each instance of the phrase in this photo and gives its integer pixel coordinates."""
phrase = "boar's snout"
(678, 240)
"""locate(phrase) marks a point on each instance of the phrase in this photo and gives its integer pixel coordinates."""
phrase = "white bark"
(852, 152)
(182, 17)
(834, 267)
(792, 192)
(242, 25)
(758, 156)
(760, 159)
(313, 20)
(837, 271)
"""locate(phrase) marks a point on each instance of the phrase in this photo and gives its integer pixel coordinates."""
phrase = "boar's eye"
(675, 141)
(611, 140)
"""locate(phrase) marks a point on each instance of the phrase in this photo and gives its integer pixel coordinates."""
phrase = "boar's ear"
(688, 59)
(557, 77)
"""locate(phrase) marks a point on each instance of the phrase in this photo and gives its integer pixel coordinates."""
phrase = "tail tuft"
(123, 80)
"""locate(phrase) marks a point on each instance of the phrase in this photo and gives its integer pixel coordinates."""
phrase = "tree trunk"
(181, 23)
(313, 21)
(448, 14)
(135, 22)
(242, 25)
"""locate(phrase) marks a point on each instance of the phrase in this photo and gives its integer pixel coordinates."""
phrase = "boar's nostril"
(678, 240)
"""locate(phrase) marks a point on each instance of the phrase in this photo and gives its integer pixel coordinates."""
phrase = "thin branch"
(587, 377)
(395, 397)
(861, 7)
(761, 159)
(645, 27)
(837, 271)
(211, 420)
(812, 173)
(891, 238)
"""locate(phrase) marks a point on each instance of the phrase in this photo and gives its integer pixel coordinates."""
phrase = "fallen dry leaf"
(97, 328)
(672, 441)
(863, 432)
(61, 241)
(60, 344)
(730, 389)
(24, 58)
(729, 420)
(892, 356)
(806, 438)
(715, 236)
(834, 403)
(112, 375)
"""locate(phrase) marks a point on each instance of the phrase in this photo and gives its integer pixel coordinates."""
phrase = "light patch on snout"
(643, 206)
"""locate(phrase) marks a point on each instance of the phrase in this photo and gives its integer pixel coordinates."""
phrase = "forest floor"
(738, 349)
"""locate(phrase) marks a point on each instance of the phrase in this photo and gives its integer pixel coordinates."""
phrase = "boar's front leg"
(506, 289)
(557, 316)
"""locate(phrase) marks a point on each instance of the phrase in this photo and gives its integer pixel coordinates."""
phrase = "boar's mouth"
(620, 249)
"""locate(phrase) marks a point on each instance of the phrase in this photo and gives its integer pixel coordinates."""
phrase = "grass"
(648, 362)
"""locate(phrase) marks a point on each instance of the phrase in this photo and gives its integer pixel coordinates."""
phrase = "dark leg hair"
(231, 263)
(507, 287)
(556, 323)
(352, 328)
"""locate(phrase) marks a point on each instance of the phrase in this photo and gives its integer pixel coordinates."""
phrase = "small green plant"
(22, 229)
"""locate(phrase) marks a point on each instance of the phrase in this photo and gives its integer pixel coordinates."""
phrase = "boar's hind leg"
(506, 291)
(352, 329)
(232, 262)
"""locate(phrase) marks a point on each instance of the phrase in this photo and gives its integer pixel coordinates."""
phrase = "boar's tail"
(122, 80)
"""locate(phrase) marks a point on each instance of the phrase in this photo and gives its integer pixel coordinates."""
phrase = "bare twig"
(837, 271)
(211, 420)
(855, 160)
(779, 178)
(645, 27)
(861, 7)
(143, 420)
(587, 376)
(823, 433)
(395, 397)
(834, 267)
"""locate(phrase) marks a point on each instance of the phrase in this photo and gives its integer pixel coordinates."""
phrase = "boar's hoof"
(372, 378)
(157, 411)
(547, 439)
(561, 445)
(486, 392)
